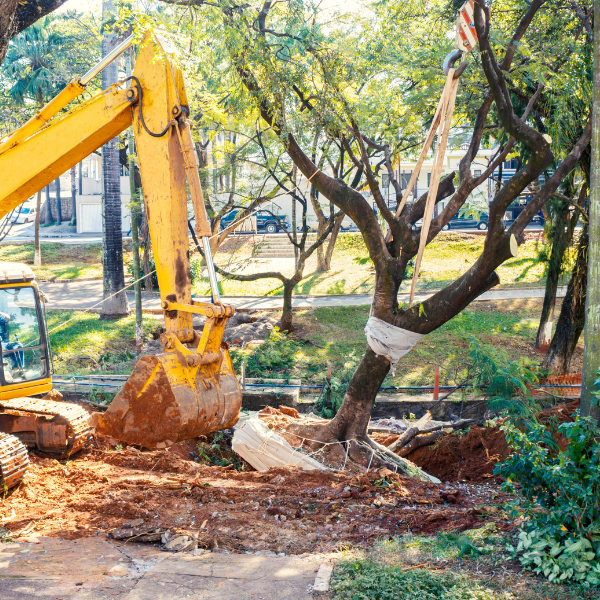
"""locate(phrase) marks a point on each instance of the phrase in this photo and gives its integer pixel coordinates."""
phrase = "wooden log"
(420, 441)
(410, 433)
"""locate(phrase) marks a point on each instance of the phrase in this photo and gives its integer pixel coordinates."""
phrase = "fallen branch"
(410, 433)
(420, 441)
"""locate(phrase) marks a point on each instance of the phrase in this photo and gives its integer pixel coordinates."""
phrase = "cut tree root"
(420, 441)
(361, 451)
(407, 441)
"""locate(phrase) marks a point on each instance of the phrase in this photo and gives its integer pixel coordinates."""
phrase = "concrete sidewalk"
(84, 295)
(95, 568)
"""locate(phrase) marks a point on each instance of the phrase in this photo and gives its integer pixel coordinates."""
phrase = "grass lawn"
(323, 336)
(336, 337)
(82, 343)
(450, 255)
(445, 259)
(59, 261)
(472, 565)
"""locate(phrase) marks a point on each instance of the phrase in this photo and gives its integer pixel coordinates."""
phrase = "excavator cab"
(24, 354)
(52, 427)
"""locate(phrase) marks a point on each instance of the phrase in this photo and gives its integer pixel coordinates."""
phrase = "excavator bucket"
(166, 400)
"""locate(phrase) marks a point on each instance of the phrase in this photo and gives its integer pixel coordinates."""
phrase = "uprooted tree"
(363, 96)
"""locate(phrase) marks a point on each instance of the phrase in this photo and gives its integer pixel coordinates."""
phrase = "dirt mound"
(283, 510)
(470, 457)
(473, 456)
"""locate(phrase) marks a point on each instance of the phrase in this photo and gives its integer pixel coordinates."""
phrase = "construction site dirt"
(282, 510)
(104, 487)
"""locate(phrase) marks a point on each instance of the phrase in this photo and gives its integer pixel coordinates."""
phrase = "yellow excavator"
(187, 390)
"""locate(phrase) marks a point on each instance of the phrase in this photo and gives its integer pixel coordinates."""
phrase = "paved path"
(94, 568)
(83, 295)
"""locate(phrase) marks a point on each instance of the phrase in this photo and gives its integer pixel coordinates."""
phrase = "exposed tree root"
(358, 451)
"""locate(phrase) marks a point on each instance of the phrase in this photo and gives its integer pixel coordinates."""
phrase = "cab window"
(22, 351)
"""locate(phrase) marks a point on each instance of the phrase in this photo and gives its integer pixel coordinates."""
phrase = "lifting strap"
(466, 38)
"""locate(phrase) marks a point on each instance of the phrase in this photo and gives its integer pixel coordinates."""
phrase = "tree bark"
(115, 303)
(49, 219)
(331, 243)
(572, 314)
(58, 202)
(563, 235)
(17, 15)
(134, 201)
(37, 253)
(73, 195)
(591, 352)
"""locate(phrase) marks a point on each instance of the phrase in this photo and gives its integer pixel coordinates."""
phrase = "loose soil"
(282, 510)
(471, 457)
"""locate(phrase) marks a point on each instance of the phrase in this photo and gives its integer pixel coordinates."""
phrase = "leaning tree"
(17, 15)
(299, 76)
(302, 76)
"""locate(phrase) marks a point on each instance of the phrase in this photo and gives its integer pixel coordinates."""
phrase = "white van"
(27, 215)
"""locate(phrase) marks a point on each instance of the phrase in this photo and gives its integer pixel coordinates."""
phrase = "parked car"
(467, 222)
(27, 215)
(265, 221)
(511, 215)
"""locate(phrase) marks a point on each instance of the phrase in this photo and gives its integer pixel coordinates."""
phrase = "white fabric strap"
(390, 341)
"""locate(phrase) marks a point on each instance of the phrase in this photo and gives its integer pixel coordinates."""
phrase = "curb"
(321, 586)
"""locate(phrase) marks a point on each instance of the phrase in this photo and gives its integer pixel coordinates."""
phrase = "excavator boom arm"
(189, 389)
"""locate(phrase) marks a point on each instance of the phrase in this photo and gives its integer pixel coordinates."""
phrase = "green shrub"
(561, 499)
(506, 382)
(275, 356)
(366, 580)
(330, 400)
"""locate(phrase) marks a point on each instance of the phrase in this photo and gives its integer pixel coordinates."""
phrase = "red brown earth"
(283, 510)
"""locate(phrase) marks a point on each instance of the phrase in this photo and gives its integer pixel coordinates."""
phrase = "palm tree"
(115, 303)
(29, 63)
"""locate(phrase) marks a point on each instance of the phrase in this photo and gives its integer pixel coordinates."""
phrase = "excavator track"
(54, 427)
(13, 461)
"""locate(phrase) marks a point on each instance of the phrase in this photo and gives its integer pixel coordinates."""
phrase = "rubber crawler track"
(79, 429)
(13, 461)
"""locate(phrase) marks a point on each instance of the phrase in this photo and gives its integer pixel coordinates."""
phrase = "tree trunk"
(49, 219)
(147, 266)
(37, 253)
(591, 352)
(559, 245)
(58, 200)
(15, 16)
(572, 314)
(287, 315)
(115, 303)
(135, 211)
(73, 196)
(331, 243)
(321, 263)
(352, 419)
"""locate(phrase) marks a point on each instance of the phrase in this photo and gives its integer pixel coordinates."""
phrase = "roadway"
(23, 234)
